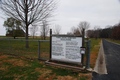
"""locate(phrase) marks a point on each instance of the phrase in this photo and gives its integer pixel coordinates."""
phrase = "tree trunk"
(14, 37)
(83, 35)
(26, 22)
(33, 36)
(27, 44)
(44, 37)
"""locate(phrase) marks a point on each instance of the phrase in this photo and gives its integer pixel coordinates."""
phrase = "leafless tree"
(89, 33)
(72, 30)
(96, 31)
(28, 11)
(57, 29)
(33, 30)
(44, 29)
(75, 31)
(83, 25)
(69, 33)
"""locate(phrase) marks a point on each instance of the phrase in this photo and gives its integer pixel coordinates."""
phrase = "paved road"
(112, 59)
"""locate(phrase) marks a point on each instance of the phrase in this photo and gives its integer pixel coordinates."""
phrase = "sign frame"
(79, 36)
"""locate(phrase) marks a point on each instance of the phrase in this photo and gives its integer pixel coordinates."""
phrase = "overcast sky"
(70, 12)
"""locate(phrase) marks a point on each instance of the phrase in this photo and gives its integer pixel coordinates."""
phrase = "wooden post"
(50, 42)
(83, 33)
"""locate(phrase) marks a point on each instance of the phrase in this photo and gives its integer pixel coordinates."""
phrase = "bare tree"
(83, 25)
(44, 29)
(69, 33)
(33, 30)
(28, 11)
(72, 30)
(96, 31)
(89, 33)
(75, 31)
(57, 29)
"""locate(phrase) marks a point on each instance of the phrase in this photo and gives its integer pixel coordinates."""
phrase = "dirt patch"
(1, 62)
(94, 55)
(66, 78)
(41, 62)
(50, 77)
(3, 68)
(1, 53)
(43, 71)
(3, 57)
(16, 62)
(88, 75)
(44, 54)
(22, 57)
(17, 76)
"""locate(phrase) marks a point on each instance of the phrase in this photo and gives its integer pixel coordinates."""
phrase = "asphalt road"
(112, 60)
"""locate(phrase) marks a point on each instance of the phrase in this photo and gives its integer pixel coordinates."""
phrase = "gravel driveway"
(112, 60)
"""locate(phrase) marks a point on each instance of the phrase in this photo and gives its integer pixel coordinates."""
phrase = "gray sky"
(70, 12)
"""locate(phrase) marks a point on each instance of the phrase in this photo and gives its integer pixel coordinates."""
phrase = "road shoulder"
(100, 66)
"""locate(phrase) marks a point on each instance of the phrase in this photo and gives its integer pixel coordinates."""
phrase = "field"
(20, 66)
(95, 45)
(22, 69)
(115, 41)
(18, 48)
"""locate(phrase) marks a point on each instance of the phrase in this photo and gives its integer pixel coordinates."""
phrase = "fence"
(38, 49)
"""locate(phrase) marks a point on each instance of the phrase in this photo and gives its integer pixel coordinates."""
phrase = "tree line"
(15, 28)
(111, 32)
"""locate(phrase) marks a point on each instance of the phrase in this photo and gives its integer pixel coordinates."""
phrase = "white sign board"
(66, 49)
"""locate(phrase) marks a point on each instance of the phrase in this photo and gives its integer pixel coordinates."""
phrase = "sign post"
(83, 45)
(68, 48)
(50, 42)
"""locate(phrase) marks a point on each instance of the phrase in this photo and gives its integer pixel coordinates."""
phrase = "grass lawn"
(114, 41)
(13, 68)
(18, 48)
(95, 45)
(21, 68)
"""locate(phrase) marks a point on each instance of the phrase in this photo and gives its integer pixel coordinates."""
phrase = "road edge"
(100, 66)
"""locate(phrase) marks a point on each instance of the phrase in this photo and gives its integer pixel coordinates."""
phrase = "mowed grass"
(13, 68)
(114, 41)
(32, 69)
(16, 47)
(95, 45)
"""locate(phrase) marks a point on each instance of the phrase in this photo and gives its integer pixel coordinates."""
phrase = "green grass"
(31, 38)
(16, 68)
(94, 42)
(28, 72)
(95, 45)
(114, 41)
(18, 48)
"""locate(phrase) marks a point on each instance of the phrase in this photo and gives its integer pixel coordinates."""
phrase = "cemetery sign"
(66, 48)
